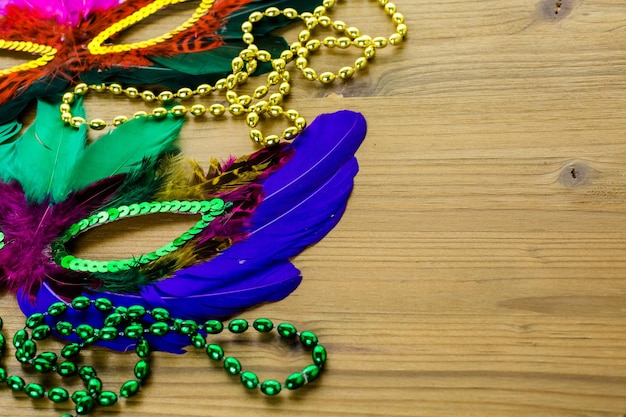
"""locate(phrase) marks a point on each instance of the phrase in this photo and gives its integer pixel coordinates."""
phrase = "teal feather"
(43, 156)
(7, 132)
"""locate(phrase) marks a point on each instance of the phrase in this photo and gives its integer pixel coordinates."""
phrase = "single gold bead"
(344, 42)
(97, 124)
(197, 110)
(231, 81)
(256, 135)
(139, 114)
(287, 55)
(284, 88)
(237, 64)
(330, 41)
(65, 108)
(159, 112)
(246, 27)
(302, 52)
(68, 98)
(247, 54)
(77, 121)
(263, 56)
(272, 12)
(291, 132)
(402, 29)
(116, 89)
(131, 92)
(311, 23)
(279, 64)
(273, 78)
(369, 52)
(184, 93)
(290, 13)
(327, 77)
(302, 63)
(395, 39)
(217, 109)
(383, 2)
(220, 85)
(179, 110)
(339, 25)
(353, 32)
(255, 17)
(313, 45)
(260, 91)
(204, 89)
(390, 9)
(306, 15)
(304, 36)
(309, 73)
(81, 89)
(248, 38)
(275, 111)
(252, 66)
(99, 88)
(300, 123)
(324, 21)
(360, 63)
(119, 120)
(231, 96)
(275, 99)
(328, 3)
(292, 115)
(259, 107)
(363, 41)
(66, 117)
(148, 96)
(270, 140)
(165, 96)
(244, 100)
(380, 42)
(397, 18)
(241, 77)
(252, 119)
(236, 109)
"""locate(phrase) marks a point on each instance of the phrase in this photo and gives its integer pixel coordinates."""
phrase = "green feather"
(7, 148)
(125, 149)
(43, 156)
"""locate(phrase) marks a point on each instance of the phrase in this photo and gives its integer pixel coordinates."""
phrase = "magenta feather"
(302, 202)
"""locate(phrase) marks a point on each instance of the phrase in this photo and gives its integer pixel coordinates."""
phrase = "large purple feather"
(303, 202)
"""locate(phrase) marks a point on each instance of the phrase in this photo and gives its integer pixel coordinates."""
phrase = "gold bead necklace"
(267, 99)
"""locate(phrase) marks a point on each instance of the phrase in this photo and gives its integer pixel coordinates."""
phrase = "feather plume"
(303, 200)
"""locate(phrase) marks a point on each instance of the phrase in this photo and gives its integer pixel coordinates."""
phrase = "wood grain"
(479, 269)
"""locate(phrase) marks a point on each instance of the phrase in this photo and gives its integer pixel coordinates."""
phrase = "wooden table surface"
(480, 267)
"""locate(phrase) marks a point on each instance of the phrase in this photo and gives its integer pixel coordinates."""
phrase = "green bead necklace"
(134, 322)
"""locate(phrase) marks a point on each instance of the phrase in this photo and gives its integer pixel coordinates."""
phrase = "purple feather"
(302, 202)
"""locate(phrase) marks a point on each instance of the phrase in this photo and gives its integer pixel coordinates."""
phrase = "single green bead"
(107, 398)
(188, 327)
(58, 395)
(142, 348)
(16, 383)
(28, 350)
(121, 310)
(142, 369)
(134, 331)
(70, 350)
(79, 395)
(66, 415)
(64, 328)
(3, 374)
(3, 343)
(136, 312)
(319, 355)
(238, 326)
(160, 314)
(311, 372)
(129, 388)
(198, 341)
(103, 304)
(232, 365)
(19, 338)
(84, 331)
(92, 339)
(57, 309)
(81, 302)
(41, 332)
(249, 380)
(1, 323)
(94, 385)
(85, 406)
(21, 356)
(263, 325)
(270, 387)
(159, 328)
(86, 373)
(286, 330)
(215, 352)
(308, 339)
(66, 368)
(294, 381)
(213, 326)
(42, 365)
(109, 333)
(35, 320)
(113, 320)
(34, 390)
(49, 356)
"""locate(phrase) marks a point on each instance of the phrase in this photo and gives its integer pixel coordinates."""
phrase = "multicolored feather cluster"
(280, 199)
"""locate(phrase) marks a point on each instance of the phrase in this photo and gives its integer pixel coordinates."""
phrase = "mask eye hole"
(17, 52)
(208, 210)
(98, 46)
